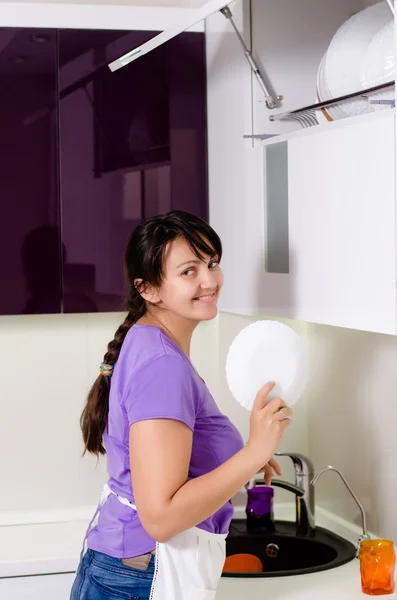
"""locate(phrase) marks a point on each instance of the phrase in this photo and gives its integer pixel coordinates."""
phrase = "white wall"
(49, 364)
(347, 417)
(352, 413)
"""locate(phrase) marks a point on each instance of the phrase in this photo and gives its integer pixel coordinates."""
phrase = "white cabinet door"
(235, 174)
(41, 587)
(342, 224)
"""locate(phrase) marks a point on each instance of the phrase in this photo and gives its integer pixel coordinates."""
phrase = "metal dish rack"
(306, 115)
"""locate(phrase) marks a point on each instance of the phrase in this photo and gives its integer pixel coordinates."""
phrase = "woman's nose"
(208, 280)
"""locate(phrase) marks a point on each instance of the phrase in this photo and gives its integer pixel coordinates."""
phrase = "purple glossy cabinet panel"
(132, 145)
(87, 154)
(30, 277)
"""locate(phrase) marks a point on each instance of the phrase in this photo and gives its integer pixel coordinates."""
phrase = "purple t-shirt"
(154, 379)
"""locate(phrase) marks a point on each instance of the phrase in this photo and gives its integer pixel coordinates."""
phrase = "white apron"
(188, 566)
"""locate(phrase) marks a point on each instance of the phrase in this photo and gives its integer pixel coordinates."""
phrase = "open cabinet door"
(196, 15)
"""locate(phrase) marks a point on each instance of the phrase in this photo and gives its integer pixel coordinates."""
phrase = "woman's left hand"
(269, 470)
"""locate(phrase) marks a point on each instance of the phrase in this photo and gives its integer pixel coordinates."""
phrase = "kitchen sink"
(284, 553)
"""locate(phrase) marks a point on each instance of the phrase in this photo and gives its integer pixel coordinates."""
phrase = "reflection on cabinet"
(132, 145)
(89, 153)
(30, 276)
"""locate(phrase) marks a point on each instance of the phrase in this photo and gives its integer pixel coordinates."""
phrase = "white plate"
(344, 57)
(378, 65)
(266, 351)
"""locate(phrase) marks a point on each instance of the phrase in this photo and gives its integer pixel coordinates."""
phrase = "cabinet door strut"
(271, 102)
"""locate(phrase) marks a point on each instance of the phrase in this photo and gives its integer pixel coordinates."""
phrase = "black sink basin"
(284, 553)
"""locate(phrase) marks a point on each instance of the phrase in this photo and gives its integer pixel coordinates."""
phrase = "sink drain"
(272, 550)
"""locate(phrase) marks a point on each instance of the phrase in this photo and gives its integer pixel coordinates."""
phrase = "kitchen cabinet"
(307, 216)
(342, 223)
(87, 153)
(38, 587)
(334, 221)
(132, 145)
(294, 246)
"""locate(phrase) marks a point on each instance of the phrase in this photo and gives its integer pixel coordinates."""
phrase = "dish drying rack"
(306, 115)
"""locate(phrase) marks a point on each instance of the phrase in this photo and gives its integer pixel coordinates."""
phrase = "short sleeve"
(163, 389)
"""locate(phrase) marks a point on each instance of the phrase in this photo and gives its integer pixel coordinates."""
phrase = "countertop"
(53, 547)
(341, 583)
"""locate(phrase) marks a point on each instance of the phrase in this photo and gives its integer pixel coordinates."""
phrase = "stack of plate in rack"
(360, 56)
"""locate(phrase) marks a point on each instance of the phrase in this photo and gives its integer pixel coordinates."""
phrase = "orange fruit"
(242, 563)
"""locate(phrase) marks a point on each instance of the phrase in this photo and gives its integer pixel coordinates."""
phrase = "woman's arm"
(167, 503)
(160, 452)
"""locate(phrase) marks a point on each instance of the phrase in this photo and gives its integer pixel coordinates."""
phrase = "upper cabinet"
(342, 224)
(88, 153)
(306, 212)
(135, 111)
(132, 145)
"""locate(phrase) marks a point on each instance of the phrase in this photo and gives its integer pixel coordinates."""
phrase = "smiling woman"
(158, 422)
(191, 282)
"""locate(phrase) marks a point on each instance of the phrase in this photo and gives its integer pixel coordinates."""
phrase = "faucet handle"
(302, 464)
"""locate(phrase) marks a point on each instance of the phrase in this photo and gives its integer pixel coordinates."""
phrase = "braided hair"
(144, 260)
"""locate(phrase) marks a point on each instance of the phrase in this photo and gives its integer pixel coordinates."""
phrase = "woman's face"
(190, 286)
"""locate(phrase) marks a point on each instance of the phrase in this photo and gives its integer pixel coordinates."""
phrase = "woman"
(174, 461)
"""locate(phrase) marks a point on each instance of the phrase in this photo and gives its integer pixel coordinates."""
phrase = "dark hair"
(144, 259)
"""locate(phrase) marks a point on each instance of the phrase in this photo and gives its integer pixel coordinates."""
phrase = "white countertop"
(342, 583)
(53, 547)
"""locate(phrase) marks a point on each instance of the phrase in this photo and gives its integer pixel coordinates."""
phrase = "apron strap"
(106, 492)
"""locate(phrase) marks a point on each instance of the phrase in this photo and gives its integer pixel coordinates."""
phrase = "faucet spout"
(290, 487)
(365, 535)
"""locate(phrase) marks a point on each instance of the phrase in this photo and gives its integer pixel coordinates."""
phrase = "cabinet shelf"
(268, 139)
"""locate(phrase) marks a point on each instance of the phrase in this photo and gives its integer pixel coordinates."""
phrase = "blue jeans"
(102, 577)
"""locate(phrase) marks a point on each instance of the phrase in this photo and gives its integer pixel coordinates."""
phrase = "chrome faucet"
(364, 535)
(303, 490)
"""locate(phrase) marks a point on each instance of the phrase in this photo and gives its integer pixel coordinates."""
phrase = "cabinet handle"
(276, 208)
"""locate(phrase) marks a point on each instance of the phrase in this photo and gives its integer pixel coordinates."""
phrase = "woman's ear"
(147, 291)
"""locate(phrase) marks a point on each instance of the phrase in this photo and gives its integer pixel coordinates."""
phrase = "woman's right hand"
(267, 424)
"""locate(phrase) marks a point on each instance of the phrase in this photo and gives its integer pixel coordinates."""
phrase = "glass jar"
(259, 509)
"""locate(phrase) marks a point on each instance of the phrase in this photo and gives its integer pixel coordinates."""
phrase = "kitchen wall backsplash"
(346, 418)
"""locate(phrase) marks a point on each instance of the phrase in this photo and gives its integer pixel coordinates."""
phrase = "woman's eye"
(211, 265)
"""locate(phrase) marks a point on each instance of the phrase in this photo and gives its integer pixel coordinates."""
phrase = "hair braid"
(94, 417)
